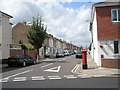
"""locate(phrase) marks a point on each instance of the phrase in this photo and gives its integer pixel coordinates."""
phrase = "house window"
(116, 49)
(115, 15)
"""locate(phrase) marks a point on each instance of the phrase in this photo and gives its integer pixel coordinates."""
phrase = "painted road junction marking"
(54, 69)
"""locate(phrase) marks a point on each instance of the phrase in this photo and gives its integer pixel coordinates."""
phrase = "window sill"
(115, 21)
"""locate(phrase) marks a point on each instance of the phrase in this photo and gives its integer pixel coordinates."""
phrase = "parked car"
(79, 55)
(66, 52)
(59, 54)
(71, 52)
(21, 60)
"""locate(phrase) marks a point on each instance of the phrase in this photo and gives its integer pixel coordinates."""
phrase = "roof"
(112, 1)
(6, 14)
(107, 1)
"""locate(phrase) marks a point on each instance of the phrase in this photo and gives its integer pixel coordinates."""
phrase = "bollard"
(84, 59)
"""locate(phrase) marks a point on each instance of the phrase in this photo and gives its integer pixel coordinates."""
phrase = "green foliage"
(37, 32)
(81, 47)
(27, 47)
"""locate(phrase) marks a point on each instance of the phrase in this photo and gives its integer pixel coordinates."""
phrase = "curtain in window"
(114, 15)
(119, 15)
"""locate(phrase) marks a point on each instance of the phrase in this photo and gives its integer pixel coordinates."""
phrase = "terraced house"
(105, 29)
(51, 45)
(5, 35)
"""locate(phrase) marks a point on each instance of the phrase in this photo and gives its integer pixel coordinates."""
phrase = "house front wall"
(19, 33)
(107, 30)
(6, 36)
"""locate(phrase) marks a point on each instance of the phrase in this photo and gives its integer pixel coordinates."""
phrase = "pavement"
(96, 71)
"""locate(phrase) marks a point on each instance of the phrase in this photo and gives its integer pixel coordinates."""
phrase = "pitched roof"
(6, 14)
(112, 1)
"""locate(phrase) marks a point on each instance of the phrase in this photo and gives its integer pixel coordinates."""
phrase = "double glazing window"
(115, 15)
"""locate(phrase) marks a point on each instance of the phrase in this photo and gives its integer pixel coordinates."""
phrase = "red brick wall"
(107, 30)
(110, 63)
(32, 53)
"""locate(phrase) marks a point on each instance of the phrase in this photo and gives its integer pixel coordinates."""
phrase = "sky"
(65, 19)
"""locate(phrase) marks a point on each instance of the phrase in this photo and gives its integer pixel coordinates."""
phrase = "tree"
(81, 47)
(37, 33)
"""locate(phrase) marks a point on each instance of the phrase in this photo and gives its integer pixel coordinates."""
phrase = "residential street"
(53, 73)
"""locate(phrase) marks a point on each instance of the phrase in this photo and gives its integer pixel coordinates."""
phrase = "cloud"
(63, 22)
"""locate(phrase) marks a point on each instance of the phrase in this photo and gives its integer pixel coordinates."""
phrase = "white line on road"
(54, 77)
(54, 69)
(18, 74)
(38, 78)
(4, 80)
(70, 76)
(19, 79)
(46, 65)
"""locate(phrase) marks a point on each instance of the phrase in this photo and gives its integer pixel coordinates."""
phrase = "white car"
(66, 52)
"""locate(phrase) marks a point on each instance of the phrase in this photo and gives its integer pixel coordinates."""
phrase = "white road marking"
(61, 60)
(73, 70)
(19, 79)
(18, 74)
(38, 78)
(70, 76)
(98, 75)
(52, 69)
(46, 65)
(4, 80)
(84, 76)
(77, 68)
(54, 77)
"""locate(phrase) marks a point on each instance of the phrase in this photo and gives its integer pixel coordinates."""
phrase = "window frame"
(112, 15)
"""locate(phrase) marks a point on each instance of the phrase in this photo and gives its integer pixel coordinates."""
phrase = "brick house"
(5, 35)
(105, 31)
(19, 33)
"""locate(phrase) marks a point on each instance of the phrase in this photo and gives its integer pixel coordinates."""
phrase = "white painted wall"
(0, 35)
(108, 49)
(95, 51)
(6, 36)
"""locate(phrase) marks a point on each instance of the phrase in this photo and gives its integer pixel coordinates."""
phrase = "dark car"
(21, 60)
(79, 55)
(59, 54)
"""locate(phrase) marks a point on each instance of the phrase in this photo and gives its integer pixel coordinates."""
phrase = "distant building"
(105, 30)
(19, 33)
(5, 35)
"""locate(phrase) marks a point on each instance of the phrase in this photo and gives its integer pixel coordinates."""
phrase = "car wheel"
(9, 65)
(24, 64)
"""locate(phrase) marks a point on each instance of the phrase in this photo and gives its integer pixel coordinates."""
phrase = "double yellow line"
(74, 70)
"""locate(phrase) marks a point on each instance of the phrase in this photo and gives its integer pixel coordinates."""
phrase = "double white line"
(74, 70)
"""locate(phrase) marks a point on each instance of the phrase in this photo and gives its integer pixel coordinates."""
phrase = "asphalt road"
(53, 73)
